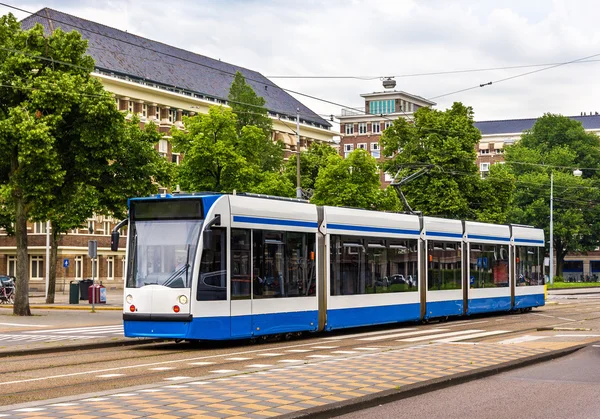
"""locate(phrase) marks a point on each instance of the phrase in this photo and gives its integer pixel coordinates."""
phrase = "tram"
(218, 267)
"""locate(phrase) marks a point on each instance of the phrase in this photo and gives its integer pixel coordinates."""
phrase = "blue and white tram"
(217, 267)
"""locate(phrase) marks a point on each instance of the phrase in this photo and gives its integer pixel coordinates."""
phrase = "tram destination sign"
(167, 209)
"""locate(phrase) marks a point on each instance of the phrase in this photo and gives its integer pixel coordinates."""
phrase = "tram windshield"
(162, 252)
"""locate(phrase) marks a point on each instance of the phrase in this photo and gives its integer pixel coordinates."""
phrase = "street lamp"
(576, 173)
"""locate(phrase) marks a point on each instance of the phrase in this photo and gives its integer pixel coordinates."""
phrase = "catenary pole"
(298, 187)
(551, 229)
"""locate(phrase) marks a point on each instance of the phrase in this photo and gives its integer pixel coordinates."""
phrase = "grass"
(568, 285)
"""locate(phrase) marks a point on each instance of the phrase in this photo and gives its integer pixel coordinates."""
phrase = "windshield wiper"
(176, 274)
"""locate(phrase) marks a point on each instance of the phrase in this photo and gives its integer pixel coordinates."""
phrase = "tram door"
(241, 282)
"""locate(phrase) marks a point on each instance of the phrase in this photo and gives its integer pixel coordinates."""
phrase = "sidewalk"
(37, 301)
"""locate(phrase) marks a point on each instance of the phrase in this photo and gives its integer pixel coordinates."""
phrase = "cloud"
(387, 37)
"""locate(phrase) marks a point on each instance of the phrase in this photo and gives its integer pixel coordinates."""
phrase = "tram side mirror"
(114, 241)
(207, 238)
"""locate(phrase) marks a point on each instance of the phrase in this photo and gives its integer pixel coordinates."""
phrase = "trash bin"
(98, 292)
(74, 292)
(84, 286)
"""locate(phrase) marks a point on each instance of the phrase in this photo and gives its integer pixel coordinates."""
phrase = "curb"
(388, 396)
(65, 307)
(82, 347)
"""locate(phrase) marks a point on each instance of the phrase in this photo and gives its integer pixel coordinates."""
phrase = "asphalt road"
(39, 377)
(563, 388)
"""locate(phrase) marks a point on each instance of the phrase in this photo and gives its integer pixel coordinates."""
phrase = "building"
(361, 128)
(497, 135)
(158, 83)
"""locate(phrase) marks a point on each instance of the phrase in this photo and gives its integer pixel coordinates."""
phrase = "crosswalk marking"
(397, 335)
(521, 339)
(472, 336)
(42, 338)
(441, 335)
(355, 335)
(91, 330)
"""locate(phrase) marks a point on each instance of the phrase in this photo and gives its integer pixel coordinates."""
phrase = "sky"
(374, 39)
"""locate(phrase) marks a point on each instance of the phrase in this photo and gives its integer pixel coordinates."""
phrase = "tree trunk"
(21, 306)
(52, 262)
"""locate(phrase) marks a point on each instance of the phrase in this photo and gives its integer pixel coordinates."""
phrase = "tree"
(311, 162)
(444, 140)
(217, 159)
(94, 185)
(557, 145)
(353, 182)
(62, 140)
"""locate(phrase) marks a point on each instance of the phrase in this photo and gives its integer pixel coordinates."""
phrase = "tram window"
(444, 265)
(283, 264)
(488, 265)
(240, 264)
(529, 270)
(370, 266)
(212, 284)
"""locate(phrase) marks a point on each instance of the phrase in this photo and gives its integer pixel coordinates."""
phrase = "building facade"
(161, 84)
(361, 128)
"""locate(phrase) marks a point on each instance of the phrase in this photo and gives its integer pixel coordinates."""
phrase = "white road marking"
(554, 317)
(38, 338)
(201, 363)
(30, 409)
(161, 368)
(522, 339)
(270, 354)
(299, 351)
(175, 361)
(319, 356)
(397, 335)
(367, 334)
(222, 371)
(258, 366)
(63, 404)
(441, 335)
(344, 352)
(83, 330)
(110, 375)
(237, 359)
(124, 395)
(289, 361)
(152, 390)
(95, 399)
(470, 323)
(177, 386)
(368, 349)
(324, 347)
(577, 336)
(176, 378)
(472, 336)
(22, 325)
(199, 383)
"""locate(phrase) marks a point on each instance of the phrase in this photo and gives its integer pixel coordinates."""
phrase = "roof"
(397, 92)
(117, 51)
(515, 126)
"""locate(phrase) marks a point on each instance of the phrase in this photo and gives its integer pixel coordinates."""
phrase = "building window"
(375, 127)
(362, 127)
(11, 269)
(162, 147)
(79, 267)
(110, 267)
(172, 115)
(499, 151)
(387, 124)
(157, 115)
(130, 106)
(362, 146)
(348, 148)
(349, 129)
(175, 158)
(377, 107)
(106, 228)
(484, 167)
(144, 110)
(484, 151)
(39, 227)
(37, 267)
(375, 150)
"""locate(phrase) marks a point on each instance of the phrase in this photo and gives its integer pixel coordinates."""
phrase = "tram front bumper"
(168, 326)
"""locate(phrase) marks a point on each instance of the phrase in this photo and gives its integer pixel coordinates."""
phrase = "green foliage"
(65, 151)
(558, 144)
(311, 162)
(353, 182)
(217, 159)
(452, 188)
(248, 107)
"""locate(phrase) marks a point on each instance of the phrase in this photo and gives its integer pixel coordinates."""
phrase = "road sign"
(92, 248)
(65, 263)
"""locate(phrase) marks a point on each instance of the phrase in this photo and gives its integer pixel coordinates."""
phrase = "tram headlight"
(183, 299)
(129, 298)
